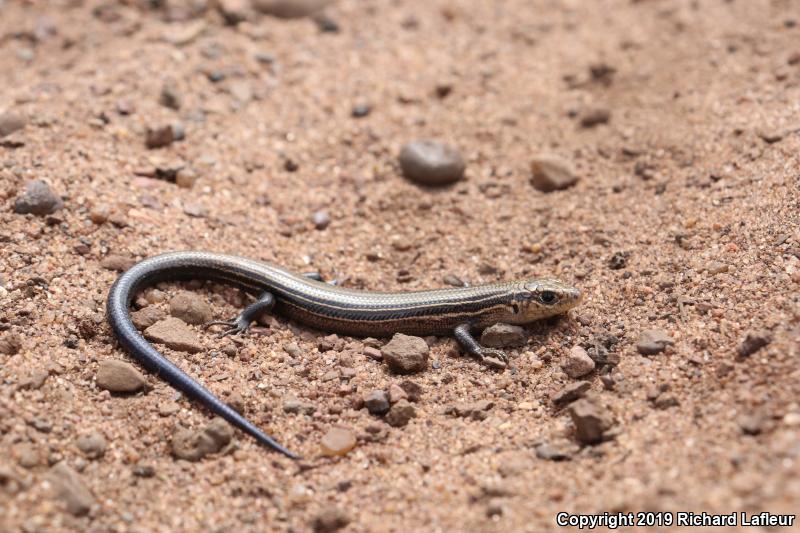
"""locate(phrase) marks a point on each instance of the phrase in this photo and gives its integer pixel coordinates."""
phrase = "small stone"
(193, 445)
(590, 420)
(665, 401)
(170, 97)
(400, 414)
(147, 316)
(578, 363)
(118, 376)
(551, 173)
(771, 135)
(160, 136)
(337, 441)
(503, 336)
(174, 334)
(373, 353)
(292, 405)
(69, 488)
(653, 341)
(321, 220)
(330, 519)
(233, 11)
(190, 308)
(166, 409)
(10, 344)
(11, 121)
(413, 390)
(406, 354)
(377, 402)
(27, 455)
(432, 163)
(289, 9)
(751, 424)
(117, 262)
(185, 178)
(293, 349)
(455, 281)
(34, 380)
(38, 199)
(753, 342)
(595, 116)
(92, 445)
(571, 392)
(325, 23)
(360, 110)
(194, 209)
(618, 261)
(560, 450)
(494, 508)
(474, 411)
(144, 471)
(396, 393)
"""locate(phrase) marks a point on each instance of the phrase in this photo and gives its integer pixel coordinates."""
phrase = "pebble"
(292, 405)
(27, 455)
(193, 445)
(665, 401)
(753, 342)
(233, 11)
(377, 402)
(751, 424)
(329, 519)
(452, 279)
(771, 135)
(11, 121)
(144, 471)
(34, 380)
(590, 419)
(321, 220)
(503, 336)
(430, 162)
(117, 262)
(551, 173)
(174, 334)
(571, 392)
(406, 354)
(400, 414)
(578, 363)
(166, 409)
(412, 389)
(93, 445)
(560, 450)
(618, 261)
(372, 353)
(147, 316)
(396, 393)
(190, 308)
(595, 116)
(360, 110)
(163, 135)
(337, 441)
(170, 97)
(289, 9)
(70, 488)
(118, 376)
(475, 411)
(10, 344)
(38, 199)
(653, 341)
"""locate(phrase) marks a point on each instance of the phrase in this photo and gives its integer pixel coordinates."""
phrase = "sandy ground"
(691, 187)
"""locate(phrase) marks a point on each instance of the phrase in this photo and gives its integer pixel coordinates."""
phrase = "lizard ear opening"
(515, 309)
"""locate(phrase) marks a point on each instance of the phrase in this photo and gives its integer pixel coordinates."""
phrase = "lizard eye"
(548, 297)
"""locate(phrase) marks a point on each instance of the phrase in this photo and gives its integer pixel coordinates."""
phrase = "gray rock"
(292, 405)
(653, 341)
(571, 392)
(406, 354)
(289, 9)
(330, 519)
(595, 116)
(430, 162)
(578, 363)
(174, 334)
(321, 220)
(190, 308)
(193, 445)
(400, 414)
(93, 445)
(551, 173)
(69, 488)
(38, 199)
(591, 421)
(503, 336)
(556, 451)
(753, 342)
(118, 376)
(170, 97)
(377, 402)
(117, 262)
(474, 411)
(11, 121)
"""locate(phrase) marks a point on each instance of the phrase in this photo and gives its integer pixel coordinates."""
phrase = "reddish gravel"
(278, 139)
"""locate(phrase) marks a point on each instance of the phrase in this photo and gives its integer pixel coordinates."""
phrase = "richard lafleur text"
(679, 518)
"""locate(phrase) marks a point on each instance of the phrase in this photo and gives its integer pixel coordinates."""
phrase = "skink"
(306, 299)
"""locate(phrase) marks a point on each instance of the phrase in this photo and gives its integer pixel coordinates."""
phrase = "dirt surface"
(681, 119)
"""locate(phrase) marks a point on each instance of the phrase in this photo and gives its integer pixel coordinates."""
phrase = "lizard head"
(541, 298)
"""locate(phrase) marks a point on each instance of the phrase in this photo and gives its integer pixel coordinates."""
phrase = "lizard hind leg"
(242, 322)
(490, 357)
